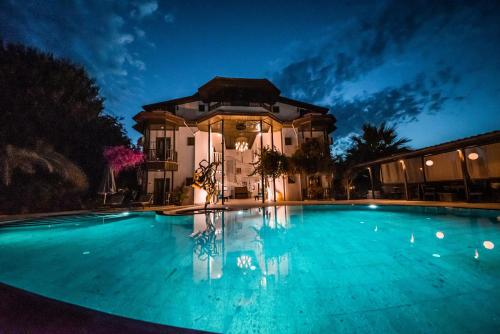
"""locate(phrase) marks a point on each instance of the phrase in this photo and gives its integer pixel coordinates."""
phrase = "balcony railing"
(240, 104)
(161, 155)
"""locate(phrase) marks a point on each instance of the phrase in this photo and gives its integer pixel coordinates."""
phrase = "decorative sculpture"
(204, 178)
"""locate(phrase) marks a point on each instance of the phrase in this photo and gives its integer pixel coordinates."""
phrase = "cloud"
(329, 73)
(169, 18)
(395, 104)
(125, 39)
(92, 33)
(143, 9)
(139, 32)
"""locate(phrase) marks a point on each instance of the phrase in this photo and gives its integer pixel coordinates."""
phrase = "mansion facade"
(229, 120)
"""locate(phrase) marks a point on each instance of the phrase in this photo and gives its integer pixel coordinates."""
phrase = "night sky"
(432, 68)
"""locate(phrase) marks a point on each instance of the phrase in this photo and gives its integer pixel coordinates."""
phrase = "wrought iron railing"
(161, 155)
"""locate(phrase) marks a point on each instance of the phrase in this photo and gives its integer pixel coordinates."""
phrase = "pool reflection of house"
(228, 120)
(251, 249)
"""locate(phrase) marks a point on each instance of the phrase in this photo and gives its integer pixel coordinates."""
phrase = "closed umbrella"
(108, 185)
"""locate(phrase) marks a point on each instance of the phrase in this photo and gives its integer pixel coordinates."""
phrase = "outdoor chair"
(429, 192)
(116, 200)
(143, 200)
(476, 192)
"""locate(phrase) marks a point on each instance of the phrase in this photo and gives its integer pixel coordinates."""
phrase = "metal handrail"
(166, 155)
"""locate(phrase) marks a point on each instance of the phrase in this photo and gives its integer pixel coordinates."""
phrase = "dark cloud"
(94, 33)
(362, 47)
(399, 104)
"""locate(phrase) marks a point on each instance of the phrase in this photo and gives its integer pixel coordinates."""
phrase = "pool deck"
(250, 203)
(245, 204)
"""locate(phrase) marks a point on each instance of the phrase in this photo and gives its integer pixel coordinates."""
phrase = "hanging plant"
(271, 163)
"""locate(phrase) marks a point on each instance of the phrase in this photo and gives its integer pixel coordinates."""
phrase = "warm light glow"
(488, 245)
(439, 235)
(244, 262)
(429, 163)
(473, 156)
(372, 206)
(241, 144)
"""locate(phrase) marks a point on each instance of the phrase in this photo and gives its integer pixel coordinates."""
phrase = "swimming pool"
(270, 270)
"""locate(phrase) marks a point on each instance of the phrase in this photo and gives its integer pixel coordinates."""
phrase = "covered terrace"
(467, 169)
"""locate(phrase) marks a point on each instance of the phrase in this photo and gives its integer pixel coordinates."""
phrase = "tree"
(375, 143)
(51, 100)
(271, 163)
(312, 157)
(121, 157)
(38, 179)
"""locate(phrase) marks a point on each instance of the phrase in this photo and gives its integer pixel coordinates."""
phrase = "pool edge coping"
(173, 210)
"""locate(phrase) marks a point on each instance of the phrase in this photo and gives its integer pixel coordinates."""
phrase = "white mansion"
(229, 120)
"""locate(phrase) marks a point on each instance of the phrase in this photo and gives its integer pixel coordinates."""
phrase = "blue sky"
(430, 67)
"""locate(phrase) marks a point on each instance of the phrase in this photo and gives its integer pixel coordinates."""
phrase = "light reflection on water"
(277, 269)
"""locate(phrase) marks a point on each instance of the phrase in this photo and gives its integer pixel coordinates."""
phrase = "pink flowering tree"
(122, 157)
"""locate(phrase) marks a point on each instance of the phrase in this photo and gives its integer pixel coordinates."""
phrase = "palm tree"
(375, 143)
(42, 157)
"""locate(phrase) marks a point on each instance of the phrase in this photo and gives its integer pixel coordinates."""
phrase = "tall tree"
(375, 142)
(55, 101)
(44, 99)
(313, 156)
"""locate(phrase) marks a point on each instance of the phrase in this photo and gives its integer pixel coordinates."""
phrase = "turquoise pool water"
(274, 270)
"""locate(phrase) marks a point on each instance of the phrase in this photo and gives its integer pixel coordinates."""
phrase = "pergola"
(464, 162)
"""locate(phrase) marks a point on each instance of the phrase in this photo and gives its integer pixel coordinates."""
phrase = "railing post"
(223, 146)
(262, 171)
(465, 173)
(274, 179)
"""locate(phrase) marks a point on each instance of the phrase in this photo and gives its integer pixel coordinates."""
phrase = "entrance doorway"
(161, 189)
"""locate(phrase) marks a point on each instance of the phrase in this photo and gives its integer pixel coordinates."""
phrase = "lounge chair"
(143, 200)
(116, 200)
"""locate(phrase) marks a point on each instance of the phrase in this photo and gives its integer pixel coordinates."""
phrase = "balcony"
(154, 154)
(161, 159)
(246, 105)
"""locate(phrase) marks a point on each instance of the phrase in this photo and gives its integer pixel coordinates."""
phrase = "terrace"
(467, 169)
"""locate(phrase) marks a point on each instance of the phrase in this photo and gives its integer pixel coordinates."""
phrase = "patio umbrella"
(108, 185)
